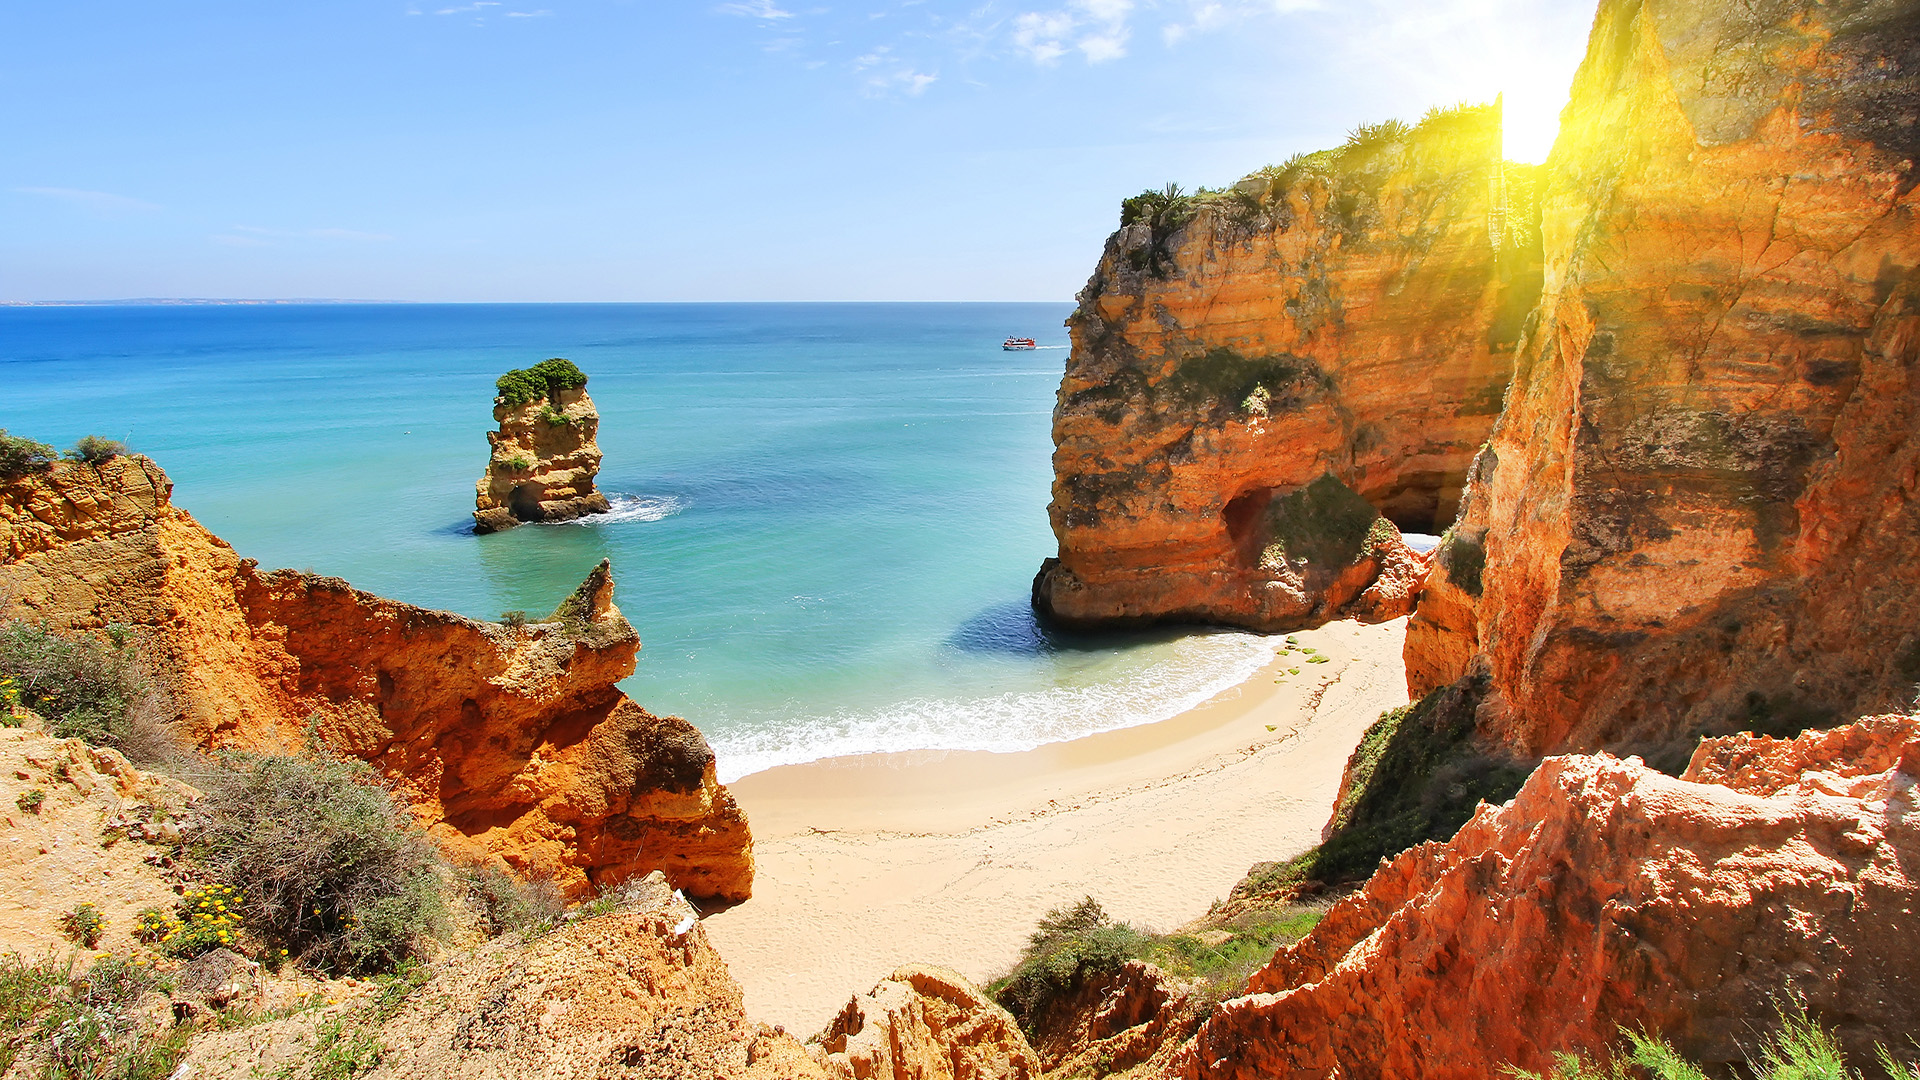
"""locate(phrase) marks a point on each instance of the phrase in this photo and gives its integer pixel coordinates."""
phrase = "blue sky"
(752, 150)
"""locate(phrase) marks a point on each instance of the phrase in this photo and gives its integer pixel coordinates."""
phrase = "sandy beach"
(869, 862)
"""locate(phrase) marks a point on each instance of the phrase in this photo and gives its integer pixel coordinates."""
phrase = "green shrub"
(515, 618)
(89, 1028)
(19, 455)
(95, 449)
(1417, 775)
(1799, 1049)
(553, 417)
(543, 380)
(30, 801)
(1073, 945)
(83, 687)
(83, 925)
(325, 860)
(507, 904)
(1078, 944)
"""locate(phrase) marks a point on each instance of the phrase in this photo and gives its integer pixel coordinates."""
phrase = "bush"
(19, 455)
(84, 688)
(83, 925)
(84, 1026)
(1072, 946)
(1076, 945)
(1799, 1049)
(325, 861)
(29, 801)
(506, 904)
(95, 449)
(542, 380)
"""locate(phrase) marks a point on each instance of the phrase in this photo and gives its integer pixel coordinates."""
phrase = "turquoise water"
(827, 516)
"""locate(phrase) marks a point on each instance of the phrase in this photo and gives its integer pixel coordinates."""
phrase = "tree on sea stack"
(544, 458)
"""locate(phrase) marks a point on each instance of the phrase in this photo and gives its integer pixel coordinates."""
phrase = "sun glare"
(1528, 127)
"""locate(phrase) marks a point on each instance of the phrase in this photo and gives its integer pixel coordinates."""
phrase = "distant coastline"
(187, 301)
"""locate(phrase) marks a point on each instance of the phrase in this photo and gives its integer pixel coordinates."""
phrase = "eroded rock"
(544, 457)
(1354, 324)
(1608, 895)
(926, 1023)
(512, 742)
(1698, 510)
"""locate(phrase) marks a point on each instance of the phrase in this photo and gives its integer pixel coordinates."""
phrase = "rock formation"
(544, 455)
(1336, 332)
(1698, 510)
(926, 1023)
(638, 993)
(1608, 895)
(511, 741)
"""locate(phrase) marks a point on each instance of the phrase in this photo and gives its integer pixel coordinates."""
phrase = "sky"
(557, 150)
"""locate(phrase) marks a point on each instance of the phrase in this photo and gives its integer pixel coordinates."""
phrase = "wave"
(1201, 667)
(627, 508)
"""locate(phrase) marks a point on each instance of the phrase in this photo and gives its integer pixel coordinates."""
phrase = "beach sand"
(866, 863)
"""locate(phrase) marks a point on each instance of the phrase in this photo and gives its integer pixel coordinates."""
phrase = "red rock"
(1698, 510)
(1609, 895)
(1359, 330)
(511, 742)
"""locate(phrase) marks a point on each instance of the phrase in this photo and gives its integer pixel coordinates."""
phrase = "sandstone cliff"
(544, 456)
(1698, 510)
(1338, 331)
(512, 742)
(1608, 895)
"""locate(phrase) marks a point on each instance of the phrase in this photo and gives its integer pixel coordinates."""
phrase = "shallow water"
(826, 516)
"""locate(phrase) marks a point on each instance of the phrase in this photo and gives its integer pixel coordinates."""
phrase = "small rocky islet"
(544, 457)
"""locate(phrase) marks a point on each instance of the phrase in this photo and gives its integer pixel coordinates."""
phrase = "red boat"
(1014, 344)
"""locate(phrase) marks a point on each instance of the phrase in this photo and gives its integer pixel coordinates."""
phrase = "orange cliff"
(544, 457)
(1698, 512)
(511, 742)
(1347, 320)
(1608, 895)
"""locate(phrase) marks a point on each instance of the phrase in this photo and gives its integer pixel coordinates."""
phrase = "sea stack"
(544, 457)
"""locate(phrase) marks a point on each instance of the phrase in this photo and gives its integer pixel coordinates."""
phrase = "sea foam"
(1199, 668)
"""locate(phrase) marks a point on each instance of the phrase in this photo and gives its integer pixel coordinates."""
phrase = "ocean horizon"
(826, 515)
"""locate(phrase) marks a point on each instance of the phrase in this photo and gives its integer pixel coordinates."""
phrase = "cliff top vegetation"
(1449, 144)
(543, 380)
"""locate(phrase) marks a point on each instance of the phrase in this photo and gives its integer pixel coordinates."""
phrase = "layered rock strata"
(510, 741)
(1346, 320)
(544, 456)
(1608, 895)
(1698, 510)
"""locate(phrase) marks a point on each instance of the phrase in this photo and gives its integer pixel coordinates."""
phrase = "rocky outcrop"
(1135, 1017)
(1608, 895)
(79, 824)
(1339, 330)
(637, 993)
(1698, 511)
(512, 742)
(924, 1023)
(544, 455)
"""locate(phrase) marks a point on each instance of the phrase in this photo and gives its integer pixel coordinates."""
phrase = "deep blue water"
(827, 515)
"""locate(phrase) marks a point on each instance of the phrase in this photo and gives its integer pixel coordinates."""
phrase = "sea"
(826, 521)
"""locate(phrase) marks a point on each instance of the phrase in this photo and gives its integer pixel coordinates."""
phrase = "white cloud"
(755, 9)
(91, 200)
(1097, 28)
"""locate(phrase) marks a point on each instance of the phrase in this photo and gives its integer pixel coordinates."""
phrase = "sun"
(1528, 126)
